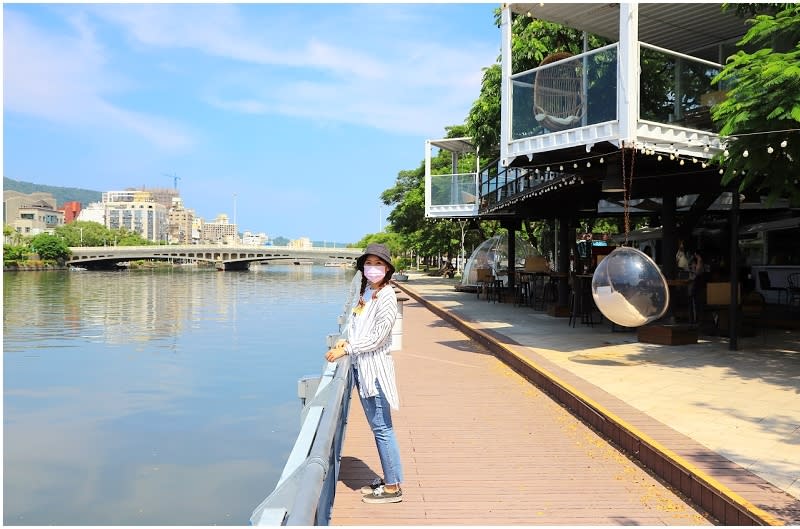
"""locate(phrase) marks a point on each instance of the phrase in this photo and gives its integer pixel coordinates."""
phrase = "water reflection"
(156, 397)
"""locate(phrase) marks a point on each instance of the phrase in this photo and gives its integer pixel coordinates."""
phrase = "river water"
(156, 397)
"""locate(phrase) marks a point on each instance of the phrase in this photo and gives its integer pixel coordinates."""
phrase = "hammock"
(558, 93)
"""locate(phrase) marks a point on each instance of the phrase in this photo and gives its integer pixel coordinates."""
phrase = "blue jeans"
(379, 417)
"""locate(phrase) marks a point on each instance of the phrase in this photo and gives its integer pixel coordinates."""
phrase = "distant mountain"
(61, 194)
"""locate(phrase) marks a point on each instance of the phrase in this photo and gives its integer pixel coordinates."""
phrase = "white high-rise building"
(136, 211)
(220, 231)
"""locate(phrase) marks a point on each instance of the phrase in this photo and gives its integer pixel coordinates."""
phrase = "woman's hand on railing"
(337, 351)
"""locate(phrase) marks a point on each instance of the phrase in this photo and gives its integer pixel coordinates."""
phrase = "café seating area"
(535, 287)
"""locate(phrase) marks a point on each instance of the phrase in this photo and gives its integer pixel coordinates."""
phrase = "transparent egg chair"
(629, 289)
(493, 253)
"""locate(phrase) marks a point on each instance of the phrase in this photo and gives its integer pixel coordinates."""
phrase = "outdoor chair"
(766, 285)
(793, 290)
(483, 283)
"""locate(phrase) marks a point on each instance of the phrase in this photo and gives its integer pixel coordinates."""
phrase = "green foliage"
(15, 253)
(763, 100)
(124, 237)
(84, 233)
(95, 234)
(50, 247)
(61, 194)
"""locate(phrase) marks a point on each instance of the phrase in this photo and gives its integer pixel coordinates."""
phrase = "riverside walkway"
(483, 445)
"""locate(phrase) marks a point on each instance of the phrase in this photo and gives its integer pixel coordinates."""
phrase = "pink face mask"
(374, 273)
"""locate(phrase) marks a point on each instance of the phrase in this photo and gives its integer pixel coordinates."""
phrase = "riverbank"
(33, 267)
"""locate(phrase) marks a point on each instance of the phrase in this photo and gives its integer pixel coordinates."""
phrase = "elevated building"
(136, 211)
(71, 211)
(220, 231)
(179, 222)
(31, 214)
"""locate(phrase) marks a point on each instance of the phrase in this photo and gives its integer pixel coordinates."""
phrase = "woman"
(369, 338)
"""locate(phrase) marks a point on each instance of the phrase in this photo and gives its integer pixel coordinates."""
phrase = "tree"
(129, 238)
(14, 254)
(84, 233)
(50, 247)
(763, 101)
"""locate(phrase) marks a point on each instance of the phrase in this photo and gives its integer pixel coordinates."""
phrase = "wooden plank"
(480, 444)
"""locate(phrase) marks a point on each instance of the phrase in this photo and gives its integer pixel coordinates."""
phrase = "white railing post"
(397, 329)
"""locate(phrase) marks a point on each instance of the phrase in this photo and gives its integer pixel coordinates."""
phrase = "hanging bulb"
(588, 164)
(602, 160)
(681, 162)
(725, 153)
(746, 153)
(548, 168)
(560, 167)
(721, 171)
(784, 144)
(703, 165)
(770, 149)
(575, 166)
(705, 149)
(694, 160)
(671, 156)
(659, 157)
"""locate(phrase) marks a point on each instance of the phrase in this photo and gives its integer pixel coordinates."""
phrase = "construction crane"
(175, 179)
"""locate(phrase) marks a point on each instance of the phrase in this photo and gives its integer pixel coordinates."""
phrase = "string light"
(783, 144)
(746, 153)
(770, 149)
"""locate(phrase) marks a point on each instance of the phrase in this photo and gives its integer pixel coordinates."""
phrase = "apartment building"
(136, 211)
(31, 214)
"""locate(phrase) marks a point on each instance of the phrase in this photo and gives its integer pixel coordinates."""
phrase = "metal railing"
(305, 491)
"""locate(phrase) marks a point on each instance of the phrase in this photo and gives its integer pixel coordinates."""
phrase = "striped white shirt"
(369, 340)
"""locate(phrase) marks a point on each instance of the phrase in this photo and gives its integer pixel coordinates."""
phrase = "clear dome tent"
(493, 253)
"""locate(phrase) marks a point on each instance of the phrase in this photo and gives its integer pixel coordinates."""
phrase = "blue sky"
(306, 112)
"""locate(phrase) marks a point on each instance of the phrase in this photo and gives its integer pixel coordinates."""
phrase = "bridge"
(224, 257)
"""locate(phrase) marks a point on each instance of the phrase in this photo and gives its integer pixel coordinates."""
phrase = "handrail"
(674, 53)
(568, 59)
(305, 491)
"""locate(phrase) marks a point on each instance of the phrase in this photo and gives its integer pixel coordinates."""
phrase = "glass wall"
(453, 189)
(677, 89)
(572, 92)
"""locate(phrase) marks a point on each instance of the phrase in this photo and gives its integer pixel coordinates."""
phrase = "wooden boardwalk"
(483, 446)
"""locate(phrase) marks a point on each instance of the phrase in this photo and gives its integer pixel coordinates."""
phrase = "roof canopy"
(458, 145)
(683, 27)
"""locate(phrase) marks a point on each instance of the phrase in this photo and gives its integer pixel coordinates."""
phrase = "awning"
(454, 144)
(772, 225)
(677, 26)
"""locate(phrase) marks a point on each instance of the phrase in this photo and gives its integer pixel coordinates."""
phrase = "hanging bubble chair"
(493, 254)
(629, 289)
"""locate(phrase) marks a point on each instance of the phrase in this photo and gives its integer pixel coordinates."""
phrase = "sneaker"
(379, 495)
(367, 489)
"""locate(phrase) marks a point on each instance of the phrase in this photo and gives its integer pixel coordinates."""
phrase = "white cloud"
(65, 78)
(387, 74)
